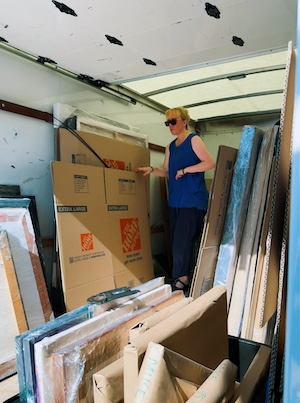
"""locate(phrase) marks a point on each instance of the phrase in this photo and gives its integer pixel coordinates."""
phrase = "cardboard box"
(93, 148)
(198, 333)
(213, 228)
(241, 378)
(200, 325)
(251, 359)
(103, 230)
(166, 376)
(108, 384)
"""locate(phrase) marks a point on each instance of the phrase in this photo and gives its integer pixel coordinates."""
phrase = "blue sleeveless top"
(190, 190)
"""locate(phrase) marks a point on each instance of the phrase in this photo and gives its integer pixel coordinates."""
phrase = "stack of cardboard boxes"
(102, 215)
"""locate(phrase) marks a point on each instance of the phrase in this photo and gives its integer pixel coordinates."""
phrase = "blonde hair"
(184, 114)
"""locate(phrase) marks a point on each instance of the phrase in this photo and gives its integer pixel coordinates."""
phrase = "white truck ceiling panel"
(150, 46)
(117, 41)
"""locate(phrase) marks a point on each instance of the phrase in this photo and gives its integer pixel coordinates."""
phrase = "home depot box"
(80, 147)
(103, 229)
(93, 149)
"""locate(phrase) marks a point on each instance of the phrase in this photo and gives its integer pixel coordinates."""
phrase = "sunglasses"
(171, 122)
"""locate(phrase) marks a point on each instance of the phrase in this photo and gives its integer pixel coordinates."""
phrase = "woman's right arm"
(163, 171)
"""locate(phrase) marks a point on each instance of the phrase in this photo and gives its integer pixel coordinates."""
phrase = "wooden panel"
(17, 222)
(12, 282)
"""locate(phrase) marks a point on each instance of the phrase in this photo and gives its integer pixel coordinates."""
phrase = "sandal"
(184, 288)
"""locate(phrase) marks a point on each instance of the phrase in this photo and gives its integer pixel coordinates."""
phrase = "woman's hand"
(144, 170)
(180, 173)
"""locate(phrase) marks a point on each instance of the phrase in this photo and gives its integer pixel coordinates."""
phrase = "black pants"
(186, 225)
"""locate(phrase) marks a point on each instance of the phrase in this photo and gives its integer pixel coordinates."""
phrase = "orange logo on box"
(114, 164)
(130, 233)
(86, 242)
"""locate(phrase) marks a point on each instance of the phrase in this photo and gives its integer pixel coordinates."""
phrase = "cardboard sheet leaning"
(103, 230)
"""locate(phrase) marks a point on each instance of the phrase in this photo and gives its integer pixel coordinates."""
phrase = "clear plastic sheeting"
(25, 342)
(71, 117)
(65, 362)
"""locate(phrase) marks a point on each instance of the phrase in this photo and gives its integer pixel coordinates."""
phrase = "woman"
(186, 160)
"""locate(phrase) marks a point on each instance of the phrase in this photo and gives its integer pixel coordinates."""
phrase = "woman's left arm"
(207, 161)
